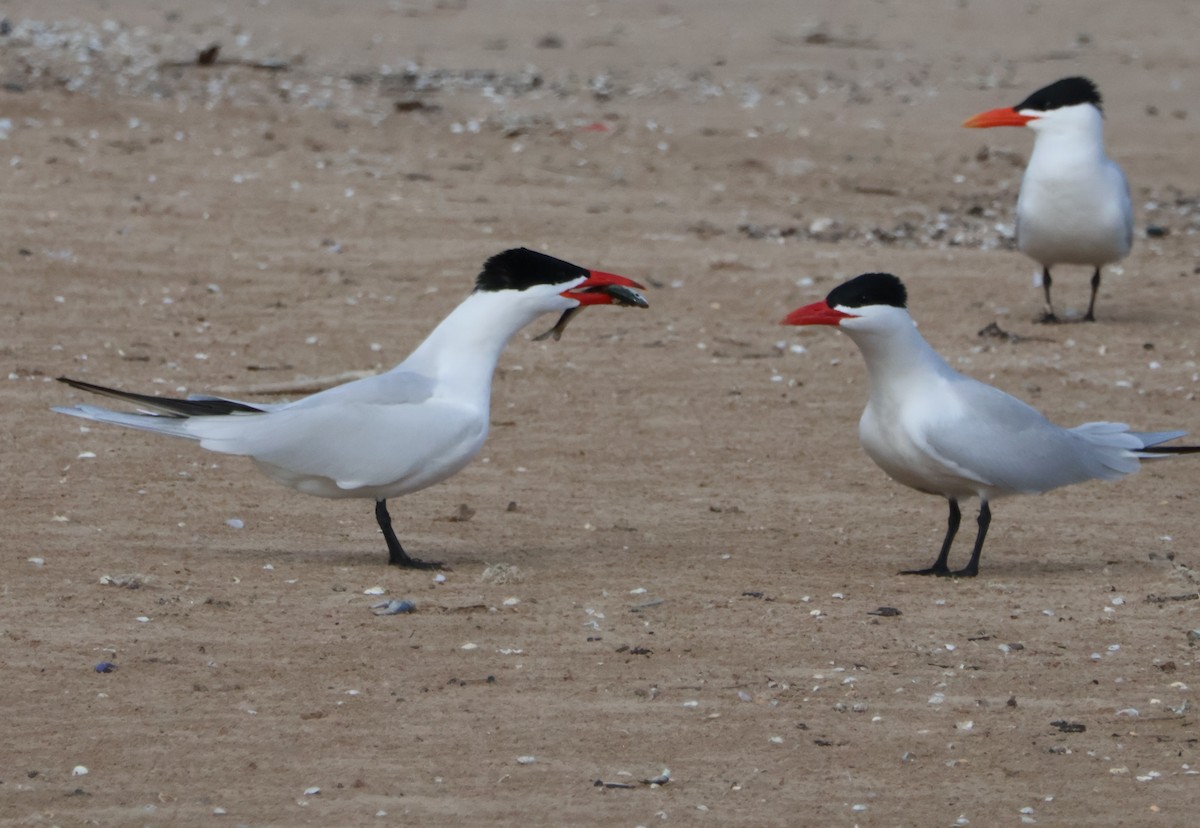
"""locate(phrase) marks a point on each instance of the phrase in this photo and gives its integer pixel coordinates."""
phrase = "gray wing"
(391, 388)
(1015, 449)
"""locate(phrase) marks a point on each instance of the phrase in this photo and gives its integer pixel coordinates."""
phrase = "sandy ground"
(667, 555)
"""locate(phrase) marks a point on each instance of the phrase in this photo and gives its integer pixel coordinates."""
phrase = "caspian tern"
(1074, 203)
(937, 431)
(397, 432)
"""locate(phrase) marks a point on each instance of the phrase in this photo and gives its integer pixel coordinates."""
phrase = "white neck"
(896, 354)
(462, 351)
(1068, 138)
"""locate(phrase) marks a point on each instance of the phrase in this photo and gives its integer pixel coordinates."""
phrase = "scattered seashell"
(126, 581)
(394, 607)
(501, 573)
(662, 779)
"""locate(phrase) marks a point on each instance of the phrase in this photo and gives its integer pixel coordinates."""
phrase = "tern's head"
(1070, 103)
(546, 284)
(868, 302)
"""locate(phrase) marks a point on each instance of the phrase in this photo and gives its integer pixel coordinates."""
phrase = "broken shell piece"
(662, 779)
(394, 607)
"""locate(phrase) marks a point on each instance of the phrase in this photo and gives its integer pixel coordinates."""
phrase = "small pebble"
(395, 607)
(526, 760)
(313, 791)
(79, 770)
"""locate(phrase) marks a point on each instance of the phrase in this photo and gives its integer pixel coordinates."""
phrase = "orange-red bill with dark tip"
(1005, 116)
(592, 292)
(818, 313)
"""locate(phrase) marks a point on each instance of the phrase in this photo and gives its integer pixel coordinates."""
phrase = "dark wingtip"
(176, 407)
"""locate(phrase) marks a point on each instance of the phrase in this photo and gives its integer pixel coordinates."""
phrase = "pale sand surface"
(183, 229)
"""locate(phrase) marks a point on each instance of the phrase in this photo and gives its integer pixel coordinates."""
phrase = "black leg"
(396, 554)
(985, 519)
(1091, 316)
(1048, 316)
(939, 566)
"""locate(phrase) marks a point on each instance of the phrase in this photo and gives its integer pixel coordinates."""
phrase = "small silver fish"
(624, 296)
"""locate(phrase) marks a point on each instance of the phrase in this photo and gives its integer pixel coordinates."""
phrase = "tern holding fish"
(394, 433)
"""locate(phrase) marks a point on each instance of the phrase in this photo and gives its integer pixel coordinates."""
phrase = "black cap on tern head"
(520, 268)
(869, 289)
(1066, 92)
